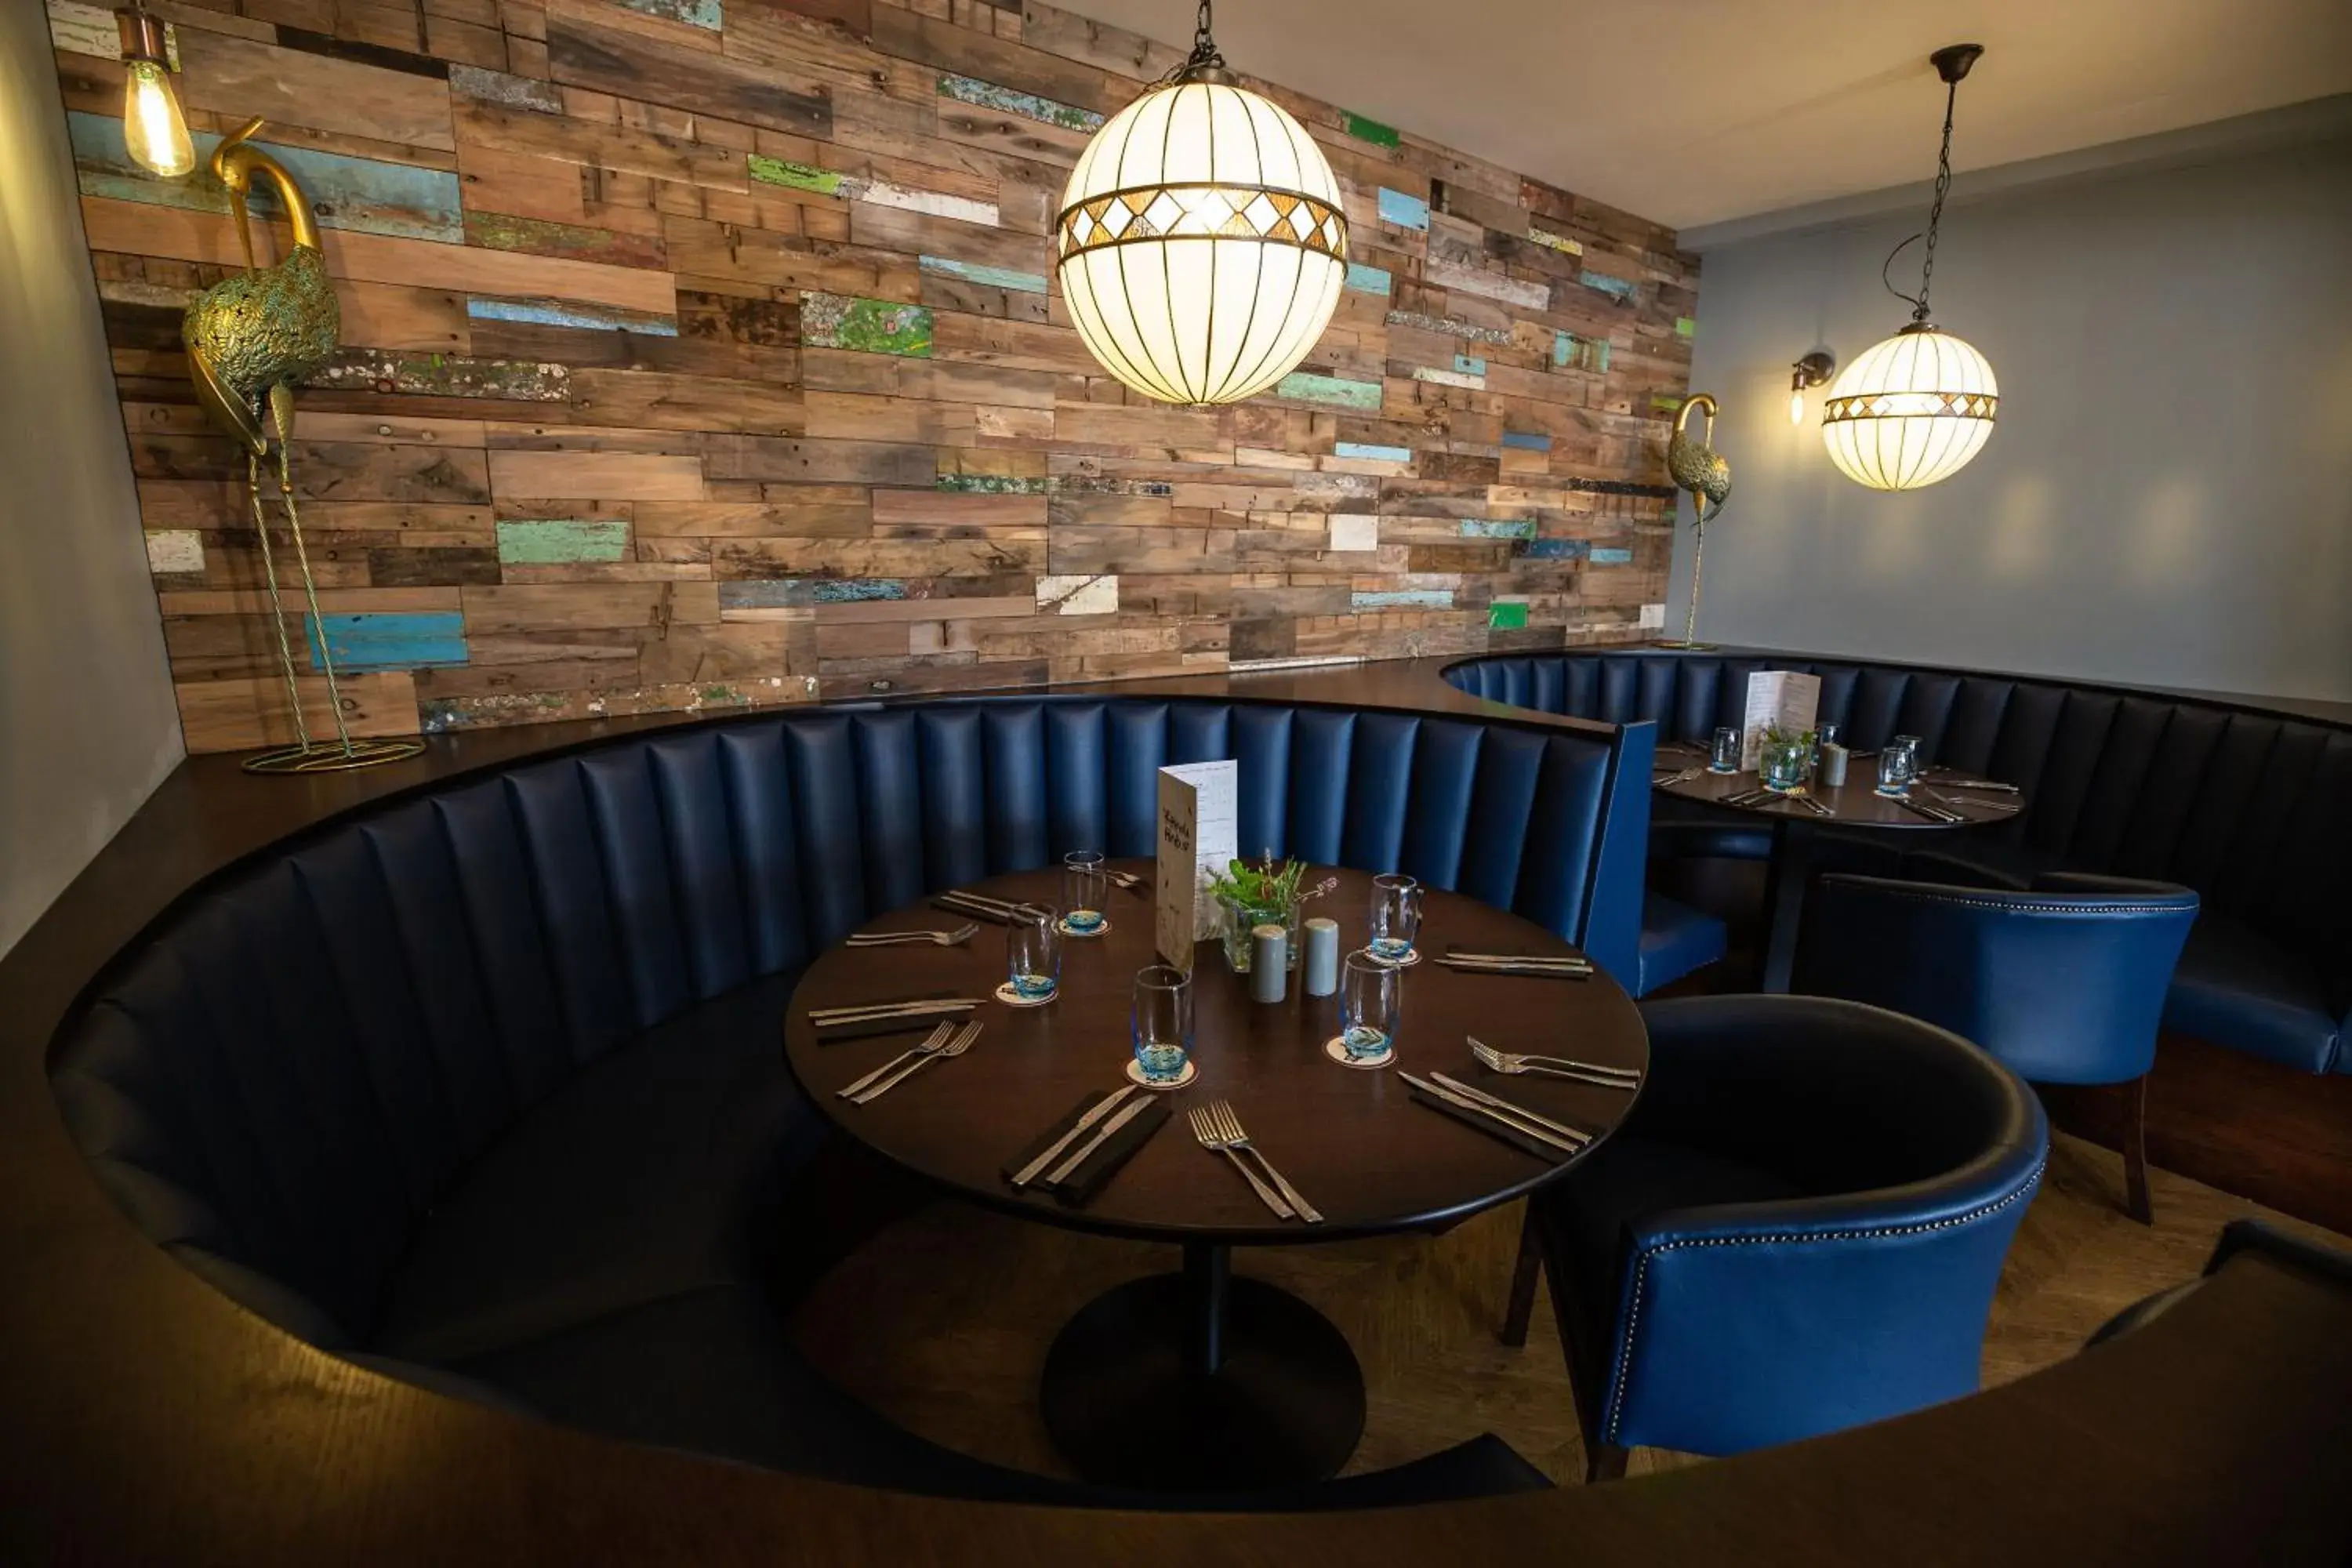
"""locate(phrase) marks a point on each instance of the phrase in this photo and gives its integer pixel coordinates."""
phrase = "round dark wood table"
(1853, 804)
(1205, 1381)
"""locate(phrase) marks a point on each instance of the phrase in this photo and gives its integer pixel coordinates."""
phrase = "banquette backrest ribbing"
(2251, 809)
(292, 1067)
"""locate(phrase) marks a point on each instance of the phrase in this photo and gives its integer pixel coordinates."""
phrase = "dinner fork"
(900, 938)
(1221, 1117)
(1684, 776)
(1205, 1133)
(1513, 1063)
(932, 1042)
(955, 1047)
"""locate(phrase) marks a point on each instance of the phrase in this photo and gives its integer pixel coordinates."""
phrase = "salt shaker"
(1320, 971)
(1832, 767)
(1269, 962)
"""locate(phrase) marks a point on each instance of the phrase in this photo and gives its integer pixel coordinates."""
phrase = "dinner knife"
(1062, 1171)
(1102, 1108)
(1463, 1104)
(1574, 1134)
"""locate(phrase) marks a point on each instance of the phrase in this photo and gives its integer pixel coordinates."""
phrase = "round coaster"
(1336, 1049)
(1721, 773)
(1102, 929)
(1407, 962)
(1012, 998)
(1135, 1075)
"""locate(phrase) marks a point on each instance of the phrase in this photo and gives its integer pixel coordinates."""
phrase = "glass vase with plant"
(1266, 892)
(1785, 758)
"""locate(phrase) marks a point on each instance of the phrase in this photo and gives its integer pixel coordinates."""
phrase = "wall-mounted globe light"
(1202, 243)
(1914, 408)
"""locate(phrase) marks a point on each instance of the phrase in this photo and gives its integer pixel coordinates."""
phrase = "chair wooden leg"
(1604, 1462)
(2136, 1198)
(1523, 1275)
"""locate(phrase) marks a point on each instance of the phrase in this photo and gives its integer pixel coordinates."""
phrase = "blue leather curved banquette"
(2250, 809)
(489, 1082)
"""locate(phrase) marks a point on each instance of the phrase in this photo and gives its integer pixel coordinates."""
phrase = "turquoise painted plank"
(1557, 549)
(1028, 105)
(1478, 528)
(1611, 557)
(708, 15)
(364, 196)
(1404, 211)
(570, 313)
(1569, 350)
(1369, 453)
(1469, 364)
(1336, 391)
(1526, 440)
(1402, 599)
(384, 640)
(562, 540)
(1366, 279)
(988, 277)
(793, 593)
(1623, 289)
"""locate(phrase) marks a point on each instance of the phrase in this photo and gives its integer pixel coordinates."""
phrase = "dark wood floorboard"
(942, 1320)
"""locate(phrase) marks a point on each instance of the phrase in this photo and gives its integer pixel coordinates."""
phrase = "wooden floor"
(942, 1320)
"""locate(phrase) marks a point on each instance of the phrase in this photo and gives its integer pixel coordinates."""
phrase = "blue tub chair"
(1798, 1230)
(2065, 982)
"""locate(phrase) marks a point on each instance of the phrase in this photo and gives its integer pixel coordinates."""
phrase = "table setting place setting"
(1075, 1157)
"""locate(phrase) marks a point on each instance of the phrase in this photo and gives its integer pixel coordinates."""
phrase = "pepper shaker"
(1269, 962)
(1833, 759)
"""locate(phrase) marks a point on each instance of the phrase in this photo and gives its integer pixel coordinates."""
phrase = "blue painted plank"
(1469, 364)
(1479, 528)
(1367, 452)
(384, 640)
(1404, 211)
(364, 196)
(1623, 289)
(1612, 557)
(1402, 599)
(570, 313)
(1526, 440)
(990, 276)
(1337, 391)
(1366, 279)
(1557, 549)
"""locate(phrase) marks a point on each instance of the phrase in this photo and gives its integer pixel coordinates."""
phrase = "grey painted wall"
(2168, 497)
(87, 723)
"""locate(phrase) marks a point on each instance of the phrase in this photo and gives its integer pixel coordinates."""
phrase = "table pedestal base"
(1200, 1382)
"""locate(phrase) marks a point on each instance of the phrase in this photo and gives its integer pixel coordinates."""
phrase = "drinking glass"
(1396, 918)
(1033, 951)
(1367, 1006)
(1084, 886)
(1162, 1022)
(1723, 756)
(1898, 765)
(1783, 763)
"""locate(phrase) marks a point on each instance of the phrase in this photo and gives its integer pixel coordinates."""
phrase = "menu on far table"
(1199, 811)
(1780, 699)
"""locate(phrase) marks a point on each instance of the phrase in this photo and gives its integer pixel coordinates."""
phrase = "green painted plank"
(868, 326)
(1684, 327)
(541, 237)
(443, 376)
(361, 195)
(988, 277)
(1366, 129)
(562, 540)
(791, 175)
(1507, 615)
(1028, 105)
(1337, 391)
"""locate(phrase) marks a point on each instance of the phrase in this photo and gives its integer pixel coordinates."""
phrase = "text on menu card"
(1198, 824)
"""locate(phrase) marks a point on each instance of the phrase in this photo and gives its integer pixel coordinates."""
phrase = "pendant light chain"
(1935, 212)
(1205, 54)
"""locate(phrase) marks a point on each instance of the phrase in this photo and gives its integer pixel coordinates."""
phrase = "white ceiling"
(1695, 112)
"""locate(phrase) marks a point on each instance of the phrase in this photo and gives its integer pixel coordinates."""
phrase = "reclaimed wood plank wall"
(704, 353)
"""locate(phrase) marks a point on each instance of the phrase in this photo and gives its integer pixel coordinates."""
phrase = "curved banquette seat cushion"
(2250, 809)
(488, 1083)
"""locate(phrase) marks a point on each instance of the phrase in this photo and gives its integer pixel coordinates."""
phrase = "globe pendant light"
(1201, 245)
(1914, 408)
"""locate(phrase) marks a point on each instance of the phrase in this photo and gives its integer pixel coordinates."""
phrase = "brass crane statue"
(1696, 466)
(250, 339)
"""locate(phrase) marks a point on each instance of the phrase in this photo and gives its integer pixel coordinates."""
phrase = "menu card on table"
(1778, 699)
(1198, 824)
